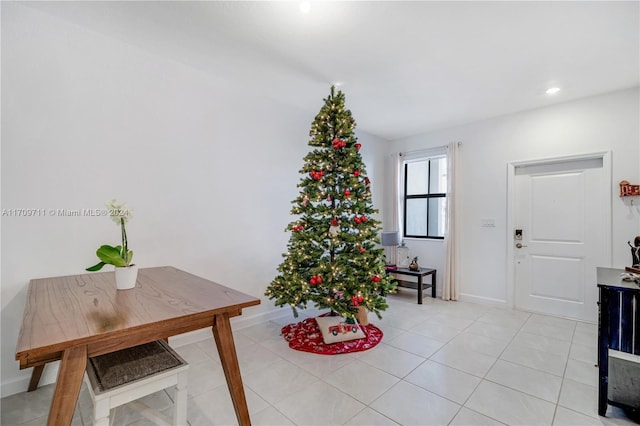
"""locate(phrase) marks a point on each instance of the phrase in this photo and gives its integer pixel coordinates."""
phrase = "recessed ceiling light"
(305, 6)
(552, 90)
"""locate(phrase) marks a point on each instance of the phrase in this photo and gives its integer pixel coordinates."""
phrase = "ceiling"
(405, 67)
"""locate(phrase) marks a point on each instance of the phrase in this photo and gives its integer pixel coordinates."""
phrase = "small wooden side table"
(420, 273)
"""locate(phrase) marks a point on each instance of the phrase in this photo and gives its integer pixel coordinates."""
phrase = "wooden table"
(76, 317)
(420, 273)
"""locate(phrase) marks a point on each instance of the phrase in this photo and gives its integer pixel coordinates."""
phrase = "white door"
(562, 209)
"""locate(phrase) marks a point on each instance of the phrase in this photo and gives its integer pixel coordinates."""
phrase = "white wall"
(604, 123)
(208, 169)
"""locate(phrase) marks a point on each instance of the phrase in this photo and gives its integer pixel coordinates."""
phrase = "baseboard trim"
(481, 300)
(20, 384)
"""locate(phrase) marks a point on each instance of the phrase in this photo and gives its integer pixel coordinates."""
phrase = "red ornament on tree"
(356, 173)
(375, 278)
(362, 249)
(315, 280)
(347, 192)
(360, 219)
(317, 175)
(358, 146)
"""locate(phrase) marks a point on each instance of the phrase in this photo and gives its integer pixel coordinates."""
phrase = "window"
(425, 197)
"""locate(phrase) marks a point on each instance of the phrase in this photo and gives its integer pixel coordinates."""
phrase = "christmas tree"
(332, 258)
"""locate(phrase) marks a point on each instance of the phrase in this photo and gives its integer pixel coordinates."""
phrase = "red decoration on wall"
(629, 190)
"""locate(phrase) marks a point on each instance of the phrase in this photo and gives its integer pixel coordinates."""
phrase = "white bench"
(124, 376)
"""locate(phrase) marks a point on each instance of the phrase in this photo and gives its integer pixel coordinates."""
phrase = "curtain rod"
(426, 151)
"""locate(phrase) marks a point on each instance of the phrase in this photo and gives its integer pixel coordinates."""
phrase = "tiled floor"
(441, 363)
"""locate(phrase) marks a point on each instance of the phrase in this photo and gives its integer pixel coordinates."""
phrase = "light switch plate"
(488, 223)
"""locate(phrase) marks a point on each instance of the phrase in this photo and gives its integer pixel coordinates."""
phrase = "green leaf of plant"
(129, 256)
(110, 255)
(95, 267)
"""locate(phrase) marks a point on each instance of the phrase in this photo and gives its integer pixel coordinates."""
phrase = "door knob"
(520, 245)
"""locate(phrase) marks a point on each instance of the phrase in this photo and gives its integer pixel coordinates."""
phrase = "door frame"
(511, 174)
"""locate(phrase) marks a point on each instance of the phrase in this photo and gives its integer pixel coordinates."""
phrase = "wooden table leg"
(70, 374)
(229, 359)
(35, 377)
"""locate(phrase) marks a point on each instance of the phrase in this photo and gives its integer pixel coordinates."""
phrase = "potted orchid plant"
(118, 256)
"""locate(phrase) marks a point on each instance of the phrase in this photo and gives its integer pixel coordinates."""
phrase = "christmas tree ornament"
(337, 143)
(316, 175)
(356, 173)
(356, 300)
(358, 146)
(347, 193)
(305, 200)
(315, 280)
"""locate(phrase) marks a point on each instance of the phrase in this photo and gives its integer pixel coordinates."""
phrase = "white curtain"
(396, 193)
(393, 205)
(450, 276)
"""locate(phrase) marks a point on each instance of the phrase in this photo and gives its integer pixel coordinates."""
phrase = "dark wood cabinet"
(618, 341)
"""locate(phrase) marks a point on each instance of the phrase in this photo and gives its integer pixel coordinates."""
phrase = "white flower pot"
(126, 277)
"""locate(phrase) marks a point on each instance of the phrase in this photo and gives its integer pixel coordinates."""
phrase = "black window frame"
(427, 196)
